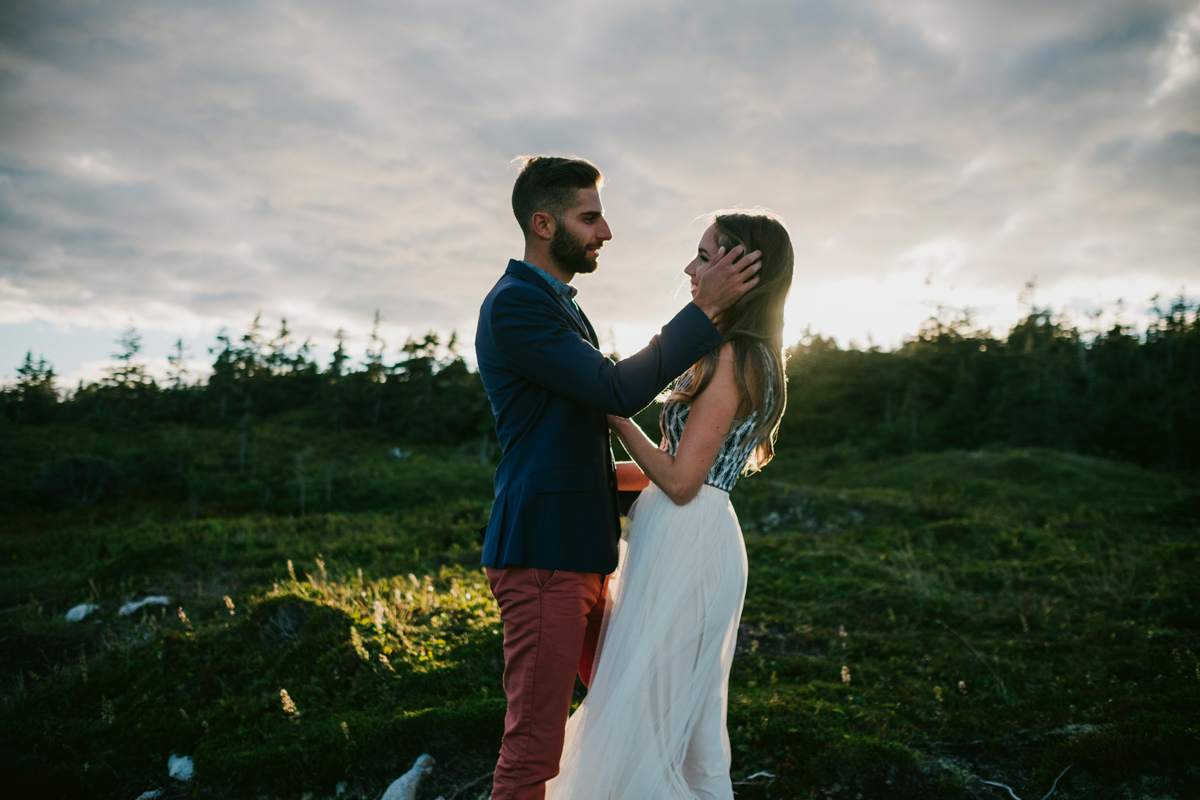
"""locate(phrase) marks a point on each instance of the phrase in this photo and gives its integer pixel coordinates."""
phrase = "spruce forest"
(974, 570)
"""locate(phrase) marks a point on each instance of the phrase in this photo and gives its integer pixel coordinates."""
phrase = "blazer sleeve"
(537, 342)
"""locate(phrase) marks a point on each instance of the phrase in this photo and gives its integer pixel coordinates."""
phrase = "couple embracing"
(648, 623)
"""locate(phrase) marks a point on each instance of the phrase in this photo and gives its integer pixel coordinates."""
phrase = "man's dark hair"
(549, 184)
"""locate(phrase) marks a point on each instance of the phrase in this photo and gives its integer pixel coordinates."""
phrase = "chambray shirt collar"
(562, 289)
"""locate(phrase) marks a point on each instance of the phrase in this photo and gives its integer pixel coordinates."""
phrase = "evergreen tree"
(35, 397)
(177, 363)
(129, 373)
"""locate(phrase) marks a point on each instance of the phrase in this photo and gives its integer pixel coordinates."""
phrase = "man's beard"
(570, 253)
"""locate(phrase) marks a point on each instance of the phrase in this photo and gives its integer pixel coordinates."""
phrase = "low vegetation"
(915, 625)
(951, 588)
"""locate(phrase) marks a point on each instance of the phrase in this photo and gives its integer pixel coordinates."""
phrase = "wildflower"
(845, 675)
(962, 686)
(377, 616)
(183, 617)
(291, 571)
(384, 660)
(229, 605)
(289, 706)
(414, 580)
(360, 576)
(321, 566)
(937, 692)
(357, 643)
(346, 731)
(842, 635)
(108, 714)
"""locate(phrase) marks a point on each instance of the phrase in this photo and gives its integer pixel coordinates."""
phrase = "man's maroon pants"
(551, 626)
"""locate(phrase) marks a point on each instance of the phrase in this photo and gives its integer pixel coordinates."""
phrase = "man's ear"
(542, 225)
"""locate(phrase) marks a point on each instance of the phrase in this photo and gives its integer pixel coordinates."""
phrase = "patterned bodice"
(738, 445)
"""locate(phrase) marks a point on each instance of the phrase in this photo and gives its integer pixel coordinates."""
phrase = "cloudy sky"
(184, 166)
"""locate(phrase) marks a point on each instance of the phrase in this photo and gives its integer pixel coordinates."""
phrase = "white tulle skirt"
(653, 723)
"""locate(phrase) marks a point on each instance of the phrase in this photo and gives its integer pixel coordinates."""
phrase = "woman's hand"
(618, 424)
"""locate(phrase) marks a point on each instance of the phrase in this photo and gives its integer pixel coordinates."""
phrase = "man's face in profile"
(580, 233)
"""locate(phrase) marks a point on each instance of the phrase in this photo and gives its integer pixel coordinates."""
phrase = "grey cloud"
(221, 158)
(220, 301)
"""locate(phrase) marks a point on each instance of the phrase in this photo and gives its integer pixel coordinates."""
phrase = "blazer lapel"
(529, 276)
(591, 337)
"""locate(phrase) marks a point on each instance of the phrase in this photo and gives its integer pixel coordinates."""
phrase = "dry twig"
(469, 784)
(1014, 795)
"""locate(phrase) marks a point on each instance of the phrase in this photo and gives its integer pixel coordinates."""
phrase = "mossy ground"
(913, 627)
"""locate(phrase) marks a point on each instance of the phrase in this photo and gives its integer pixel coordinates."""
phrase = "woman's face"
(706, 256)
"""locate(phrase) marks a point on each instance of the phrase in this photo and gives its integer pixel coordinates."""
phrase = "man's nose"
(604, 233)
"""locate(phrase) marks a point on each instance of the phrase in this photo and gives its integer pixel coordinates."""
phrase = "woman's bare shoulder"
(723, 383)
(725, 364)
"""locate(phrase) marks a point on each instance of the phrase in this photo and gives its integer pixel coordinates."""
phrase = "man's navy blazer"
(550, 387)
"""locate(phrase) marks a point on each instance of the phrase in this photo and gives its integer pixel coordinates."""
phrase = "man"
(552, 537)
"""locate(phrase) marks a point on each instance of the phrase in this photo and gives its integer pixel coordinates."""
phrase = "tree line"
(1115, 393)
(423, 394)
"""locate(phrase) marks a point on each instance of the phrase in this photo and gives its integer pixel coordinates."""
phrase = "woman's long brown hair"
(754, 324)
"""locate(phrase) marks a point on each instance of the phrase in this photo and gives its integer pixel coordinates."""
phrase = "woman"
(653, 723)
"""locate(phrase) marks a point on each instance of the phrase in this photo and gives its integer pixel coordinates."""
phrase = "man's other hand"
(727, 280)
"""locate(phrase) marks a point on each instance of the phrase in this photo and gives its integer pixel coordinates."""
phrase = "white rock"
(150, 795)
(152, 600)
(405, 787)
(80, 611)
(180, 767)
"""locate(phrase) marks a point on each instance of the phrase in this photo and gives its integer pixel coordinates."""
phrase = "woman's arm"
(712, 413)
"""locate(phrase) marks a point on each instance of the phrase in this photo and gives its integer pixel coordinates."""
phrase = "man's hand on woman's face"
(728, 279)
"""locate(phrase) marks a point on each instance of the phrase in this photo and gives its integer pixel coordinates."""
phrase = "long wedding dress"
(653, 724)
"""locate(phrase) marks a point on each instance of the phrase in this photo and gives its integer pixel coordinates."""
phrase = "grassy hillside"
(913, 626)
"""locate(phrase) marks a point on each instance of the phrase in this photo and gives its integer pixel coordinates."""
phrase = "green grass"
(999, 616)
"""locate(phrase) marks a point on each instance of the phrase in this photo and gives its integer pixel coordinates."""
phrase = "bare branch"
(1055, 784)
(1003, 786)
(1009, 788)
(468, 785)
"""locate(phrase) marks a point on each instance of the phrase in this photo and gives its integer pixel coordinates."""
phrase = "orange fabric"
(551, 625)
(630, 477)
